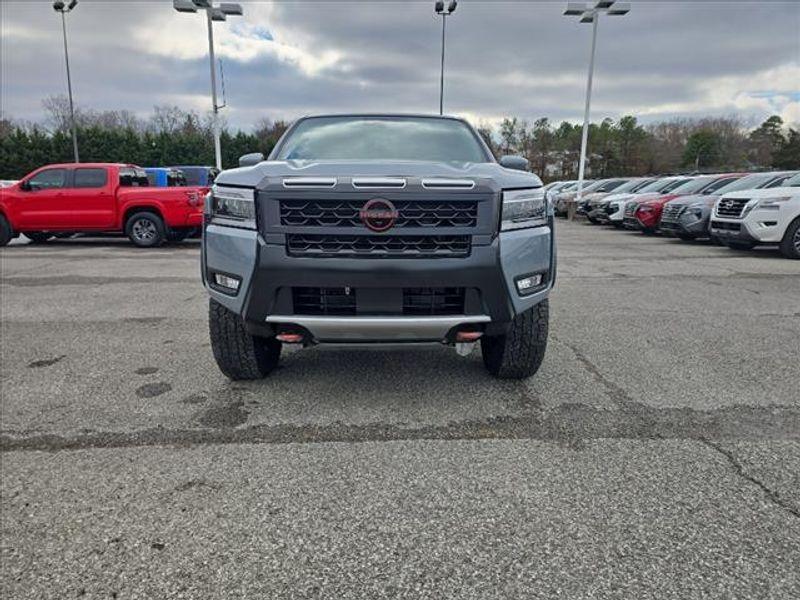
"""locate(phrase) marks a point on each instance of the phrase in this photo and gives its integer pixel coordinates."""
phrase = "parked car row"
(63, 199)
(740, 210)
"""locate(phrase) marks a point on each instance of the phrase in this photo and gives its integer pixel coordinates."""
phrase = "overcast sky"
(288, 58)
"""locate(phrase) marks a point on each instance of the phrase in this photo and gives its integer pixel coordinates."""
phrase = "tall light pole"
(64, 8)
(440, 10)
(591, 14)
(213, 13)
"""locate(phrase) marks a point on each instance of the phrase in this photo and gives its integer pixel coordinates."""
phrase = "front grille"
(731, 207)
(726, 226)
(672, 212)
(341, 301)
(411, 213)
(324, 301)
(378, 246)
(433, 301)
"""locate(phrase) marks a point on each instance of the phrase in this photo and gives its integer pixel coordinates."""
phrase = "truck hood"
(692, 199)
(776, 192)
(257, 175)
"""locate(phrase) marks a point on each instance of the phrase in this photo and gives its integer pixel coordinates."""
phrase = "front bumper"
(631, 223)
(732, 231)
(266, 272)
(687, 224)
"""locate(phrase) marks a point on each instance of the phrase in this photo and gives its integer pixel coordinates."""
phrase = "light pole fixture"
(213, 13)
(440, 9)
(591, 14)
(64, 8)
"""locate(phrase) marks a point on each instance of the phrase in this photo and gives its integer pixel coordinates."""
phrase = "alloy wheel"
(144, 230)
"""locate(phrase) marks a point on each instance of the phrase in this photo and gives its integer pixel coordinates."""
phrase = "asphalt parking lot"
(656, 453)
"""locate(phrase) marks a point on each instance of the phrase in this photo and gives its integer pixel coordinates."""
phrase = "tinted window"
(611, 185)
(130, 177)
(151, 178)
(89, 178)
(382, 138)
(49, 179)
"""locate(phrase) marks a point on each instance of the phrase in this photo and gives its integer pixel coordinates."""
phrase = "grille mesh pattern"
(324, 301)
(345, 213)
(433, 301)
(672, 212)
(731, 207)
(373, 246)
(339, 301)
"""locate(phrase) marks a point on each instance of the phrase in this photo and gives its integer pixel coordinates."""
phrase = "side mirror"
(249, 160)
(25, 186)
(520, 163)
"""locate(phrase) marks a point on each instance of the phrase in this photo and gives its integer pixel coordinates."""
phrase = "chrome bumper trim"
(378, 328)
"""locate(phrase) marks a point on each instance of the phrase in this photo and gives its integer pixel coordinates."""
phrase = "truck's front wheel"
(239, 354)
(519, 353)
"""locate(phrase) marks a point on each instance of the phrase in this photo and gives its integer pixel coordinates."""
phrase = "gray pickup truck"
(365, 229)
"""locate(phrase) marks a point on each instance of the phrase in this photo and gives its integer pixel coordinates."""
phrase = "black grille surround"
(343, 301)
(378, 246)
(722, 225)
(410, 213)
(324, 301)
(731, 208)
(433, 301)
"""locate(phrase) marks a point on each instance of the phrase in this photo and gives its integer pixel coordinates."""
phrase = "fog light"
(528, 283)
(227, 282)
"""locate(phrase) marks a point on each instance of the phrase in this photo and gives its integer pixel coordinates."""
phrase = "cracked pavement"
(655, 454)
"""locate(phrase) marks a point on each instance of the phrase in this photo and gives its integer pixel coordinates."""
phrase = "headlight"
(234, 207)
(772, 203)
(696, 210)
(523, 208)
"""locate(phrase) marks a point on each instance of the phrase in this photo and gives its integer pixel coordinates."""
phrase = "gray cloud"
(521, 58)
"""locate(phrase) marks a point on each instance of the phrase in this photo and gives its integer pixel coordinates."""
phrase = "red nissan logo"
(378, 214)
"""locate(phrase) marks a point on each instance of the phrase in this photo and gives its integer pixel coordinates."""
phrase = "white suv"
(769, 216)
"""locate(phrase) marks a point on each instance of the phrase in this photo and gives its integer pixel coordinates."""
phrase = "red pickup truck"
(98, 197)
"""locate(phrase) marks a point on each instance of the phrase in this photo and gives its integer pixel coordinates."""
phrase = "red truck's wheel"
(5, 231)
(519, 353)
(239, 354)
(145, 229)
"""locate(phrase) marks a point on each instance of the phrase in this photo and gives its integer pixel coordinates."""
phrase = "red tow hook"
(465, 337)
(289, 338)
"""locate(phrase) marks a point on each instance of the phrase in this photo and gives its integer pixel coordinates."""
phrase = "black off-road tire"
(38, 237)
(5, 231)
(239, 355)
(519, 353)
(790, 244)
(741, 245)
(146, 230)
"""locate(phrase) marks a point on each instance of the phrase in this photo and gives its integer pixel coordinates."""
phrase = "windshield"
(659, 185)
(751, 182)
(693, 186)
(629, 186)
(792, 181)
(382, 138)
